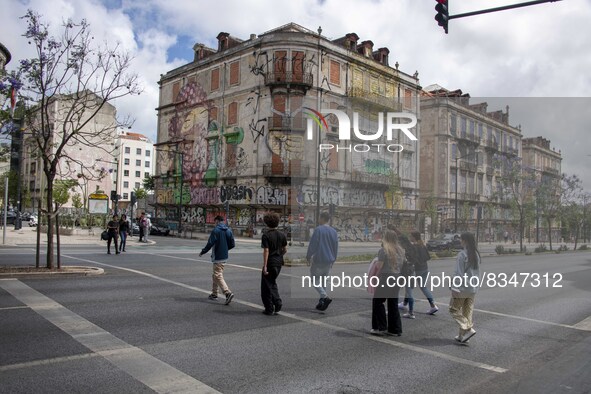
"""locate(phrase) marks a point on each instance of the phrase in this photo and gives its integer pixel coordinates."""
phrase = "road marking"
(13, 307)
(584, 324)
(319, 323)
(47, 361)
(142, 366)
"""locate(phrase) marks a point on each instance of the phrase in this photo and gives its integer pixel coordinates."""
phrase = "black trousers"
(378, 315)
(114, 237)
(269, 291)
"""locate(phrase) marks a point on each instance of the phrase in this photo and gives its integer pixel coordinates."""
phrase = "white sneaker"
(433, 310)
(469, 334)
(379, 333)
(458, 338)
(409, 315)
(401, 306)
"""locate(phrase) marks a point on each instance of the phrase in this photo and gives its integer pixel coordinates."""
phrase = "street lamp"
(456, 196)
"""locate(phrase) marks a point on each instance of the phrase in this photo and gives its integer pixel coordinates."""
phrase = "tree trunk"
(49, 224)
(549, 221)
(57, 238)
(521, 227)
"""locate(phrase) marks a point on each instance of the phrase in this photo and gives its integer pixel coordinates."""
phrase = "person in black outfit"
(123, 230)
(274, 244)
(113, 232)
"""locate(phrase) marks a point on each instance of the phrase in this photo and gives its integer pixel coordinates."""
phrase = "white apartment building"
(135, 161)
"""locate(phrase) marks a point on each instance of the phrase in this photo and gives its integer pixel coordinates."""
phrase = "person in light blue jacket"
(464, 287)
(322, 253)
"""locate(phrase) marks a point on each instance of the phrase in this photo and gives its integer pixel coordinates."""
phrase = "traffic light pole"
(503, 8)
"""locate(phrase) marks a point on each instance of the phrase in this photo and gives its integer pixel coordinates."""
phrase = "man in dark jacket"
(221, 240)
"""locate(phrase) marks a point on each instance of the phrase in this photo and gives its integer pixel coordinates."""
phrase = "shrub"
(563, 248)
(445, 253)
(500, 249)
(541, 249)
(583, 247)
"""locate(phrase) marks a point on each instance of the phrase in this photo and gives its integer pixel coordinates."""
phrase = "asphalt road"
(146, 325)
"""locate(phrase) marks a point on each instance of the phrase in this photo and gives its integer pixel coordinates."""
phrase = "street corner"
(8, 271)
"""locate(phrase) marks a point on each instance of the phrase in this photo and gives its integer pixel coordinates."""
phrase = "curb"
(70, 270)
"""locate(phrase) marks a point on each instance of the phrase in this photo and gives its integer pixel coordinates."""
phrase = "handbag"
(105, 235)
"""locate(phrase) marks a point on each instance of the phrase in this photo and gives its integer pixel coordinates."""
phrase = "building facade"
(135, 161)
(546, 165)
(463, 148)
(233, 134)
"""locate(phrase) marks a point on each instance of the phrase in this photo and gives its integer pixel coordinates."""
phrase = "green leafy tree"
(84, 78)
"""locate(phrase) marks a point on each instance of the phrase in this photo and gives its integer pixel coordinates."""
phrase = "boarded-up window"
(176, 88)
(233, 113)
(235, 73)
(213, 114)
(373, 85)
(215, 79)
(297, 66)
(407, 98)
(335, 72)
(280, 62)
(333, 160)
(231, 156)
(279, 103)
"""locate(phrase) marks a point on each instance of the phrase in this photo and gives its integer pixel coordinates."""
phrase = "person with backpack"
(422, 269)
(461, 305)
(220, 241)
(123, 230)
(386, 266)
(274, 244)
(113, 233)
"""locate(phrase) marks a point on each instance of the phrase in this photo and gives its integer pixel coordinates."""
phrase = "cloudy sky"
(538, 56)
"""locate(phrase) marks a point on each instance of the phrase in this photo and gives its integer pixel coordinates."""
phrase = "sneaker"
(278, 308)
(320, 304)
(325, 303)
(393, 334)
(469, 334)
(458, 338)
(433, 310)
(401, 306)
(229, 297)
(409, 315)
(212, 297)
(379, 333)
(268, 312)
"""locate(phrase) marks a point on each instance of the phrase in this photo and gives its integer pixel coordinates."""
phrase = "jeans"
(112, 236)
(123, 235)
(318, 273)
(408, 298)
(269, 291)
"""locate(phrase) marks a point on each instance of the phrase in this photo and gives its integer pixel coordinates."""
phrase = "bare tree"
(70, 86)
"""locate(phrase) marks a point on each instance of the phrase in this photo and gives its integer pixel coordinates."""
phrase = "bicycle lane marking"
(317, 323)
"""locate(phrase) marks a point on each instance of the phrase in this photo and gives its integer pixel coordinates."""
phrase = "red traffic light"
(442, 16)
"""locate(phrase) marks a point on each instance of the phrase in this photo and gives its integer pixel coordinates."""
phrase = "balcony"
(389, 103)
(376, 179)
(551, 171)
(490, 144)
(468, 197)
(286, 123)
(465, 137)
(284, 78)
(282, 173)
(466, 166)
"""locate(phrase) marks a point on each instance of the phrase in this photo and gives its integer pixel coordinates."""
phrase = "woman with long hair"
(464, 287)
(389, 262)
(422, 269)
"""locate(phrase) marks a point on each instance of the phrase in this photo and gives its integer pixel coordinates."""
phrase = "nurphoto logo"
(392, 122)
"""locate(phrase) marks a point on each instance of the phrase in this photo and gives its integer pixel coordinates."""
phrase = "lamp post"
(456, 191)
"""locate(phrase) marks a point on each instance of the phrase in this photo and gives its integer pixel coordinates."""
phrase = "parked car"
(135, 228)
(10, 217)
(446, 241)
(32, 220)
(159, 227)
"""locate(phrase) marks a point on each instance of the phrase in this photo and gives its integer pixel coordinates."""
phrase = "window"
(235, 73)
(125, 172)
(233, 113)
(138, 162)
(127, 149)
(138, 151)
(454, 124)
(148, 153)
(407, 98)
(147, 165)
(463, 124)
(335, 72)
(126, 184)
(126, 162)
(213, 114)
(137, 185)
(125, 196)
(146, 174)
(215, 79)
(137, 174)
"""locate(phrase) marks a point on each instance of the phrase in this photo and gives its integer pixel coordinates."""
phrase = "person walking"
(220, 241)
(387, 269)
(123, 230)
(274, 244)
(321, 255)
(407, 269)
(422, 269)
(147, 225)
(140, 223)
(113, 232)
(461, 304)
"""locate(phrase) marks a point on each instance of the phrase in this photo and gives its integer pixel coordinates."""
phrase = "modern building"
(463, 147)
(135, 161)
(233, 125)
(545, 162)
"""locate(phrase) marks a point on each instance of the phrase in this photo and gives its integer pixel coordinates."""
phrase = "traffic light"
(442, 16)
(113, 195)
(132, 199)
